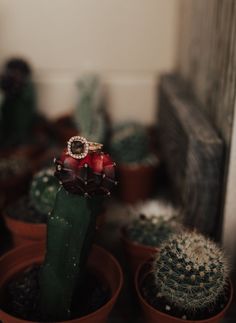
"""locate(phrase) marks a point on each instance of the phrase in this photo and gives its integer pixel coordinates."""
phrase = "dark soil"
(149, 292)
(21, 296)
(23, 210)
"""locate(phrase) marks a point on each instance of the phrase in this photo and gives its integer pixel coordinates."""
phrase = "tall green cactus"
(191, 273)
(89, 113)
(71, 228)
(18, 103)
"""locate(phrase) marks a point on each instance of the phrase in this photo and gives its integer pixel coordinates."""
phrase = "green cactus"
(190, 273)
(43, 190)
(90, 114)
(130, 143)
(71, 221)
(151, 231)
(18, 103)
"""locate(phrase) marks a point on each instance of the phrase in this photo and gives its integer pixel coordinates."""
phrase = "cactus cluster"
(89, 114)
(43, 190)
(190, 273)
(18, 102)
(130, 143)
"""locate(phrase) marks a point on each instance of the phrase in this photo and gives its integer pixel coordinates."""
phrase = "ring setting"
(78, 147)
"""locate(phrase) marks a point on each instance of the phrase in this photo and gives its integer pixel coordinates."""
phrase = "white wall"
(129, 42)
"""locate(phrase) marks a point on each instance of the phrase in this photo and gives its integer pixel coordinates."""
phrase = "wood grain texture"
(207, 58)
(193, 153)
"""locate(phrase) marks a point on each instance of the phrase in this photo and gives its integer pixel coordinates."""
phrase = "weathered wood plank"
(193, 153)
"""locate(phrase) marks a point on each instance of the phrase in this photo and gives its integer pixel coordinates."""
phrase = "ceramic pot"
(136, 182)
(25, 232)
(136, 253)
(100, 261)
(153, 315)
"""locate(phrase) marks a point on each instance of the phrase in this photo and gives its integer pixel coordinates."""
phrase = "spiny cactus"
(190, 273)
(130, 143)
(43, 190)
(151, 231)
(18, 106)
(71, 227)
(89, 113)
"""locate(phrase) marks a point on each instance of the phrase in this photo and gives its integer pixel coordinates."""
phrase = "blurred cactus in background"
(153, 222)
(130, 143)
(18, 103)
(190, 274)
(43, 190)
(89, 115)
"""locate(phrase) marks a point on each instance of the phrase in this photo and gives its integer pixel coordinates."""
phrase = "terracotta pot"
(136, 182)
(153, 315)
(100, 261)
(25, 232)
(136, 253)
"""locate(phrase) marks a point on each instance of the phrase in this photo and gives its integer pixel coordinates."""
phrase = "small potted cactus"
(188, 281)
(152, 223)
(73, 281)
(130, 146)
(27, 217)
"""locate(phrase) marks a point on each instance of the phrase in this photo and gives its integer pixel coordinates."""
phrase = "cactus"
(90, 114)
(130, 143)
(18, 102)
(150, 231)
(190, 273)
(12, 166)
(43, 190)
(71, 227)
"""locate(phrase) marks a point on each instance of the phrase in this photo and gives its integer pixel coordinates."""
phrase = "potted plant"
(27, 217)
(188, 281)
(136, 163)
(152, 223)
(68, 289)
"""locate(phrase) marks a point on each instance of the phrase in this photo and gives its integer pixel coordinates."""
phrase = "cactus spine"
(190, 272)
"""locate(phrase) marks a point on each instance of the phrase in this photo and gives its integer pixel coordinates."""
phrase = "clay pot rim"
(177, 319)
(13, 252)
(12, 220)
(133, 243)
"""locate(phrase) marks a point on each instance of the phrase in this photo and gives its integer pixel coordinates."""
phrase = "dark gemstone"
(77, 147)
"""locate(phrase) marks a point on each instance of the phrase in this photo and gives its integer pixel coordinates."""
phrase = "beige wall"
(129, 42)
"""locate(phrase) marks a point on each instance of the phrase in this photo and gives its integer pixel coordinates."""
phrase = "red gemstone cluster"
(93, 175)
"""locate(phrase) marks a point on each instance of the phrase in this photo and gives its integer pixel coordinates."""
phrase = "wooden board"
(193, 153)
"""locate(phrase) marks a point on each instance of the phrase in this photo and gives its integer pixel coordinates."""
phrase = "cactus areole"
(71, 225)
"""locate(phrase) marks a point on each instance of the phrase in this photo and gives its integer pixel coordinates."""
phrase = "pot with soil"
(130, 146)
(20, 288)
(27, 217)
(188, 281)
(152, 223)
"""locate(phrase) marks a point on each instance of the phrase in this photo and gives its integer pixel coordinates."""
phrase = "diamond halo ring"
(78, 147)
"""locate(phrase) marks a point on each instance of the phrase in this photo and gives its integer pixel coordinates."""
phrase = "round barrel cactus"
(43, 190)
(190, 273)
(130, 143)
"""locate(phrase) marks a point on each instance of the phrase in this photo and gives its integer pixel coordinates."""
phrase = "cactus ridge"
(191, 272)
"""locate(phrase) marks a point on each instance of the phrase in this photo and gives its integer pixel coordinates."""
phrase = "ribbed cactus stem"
(70, 231)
